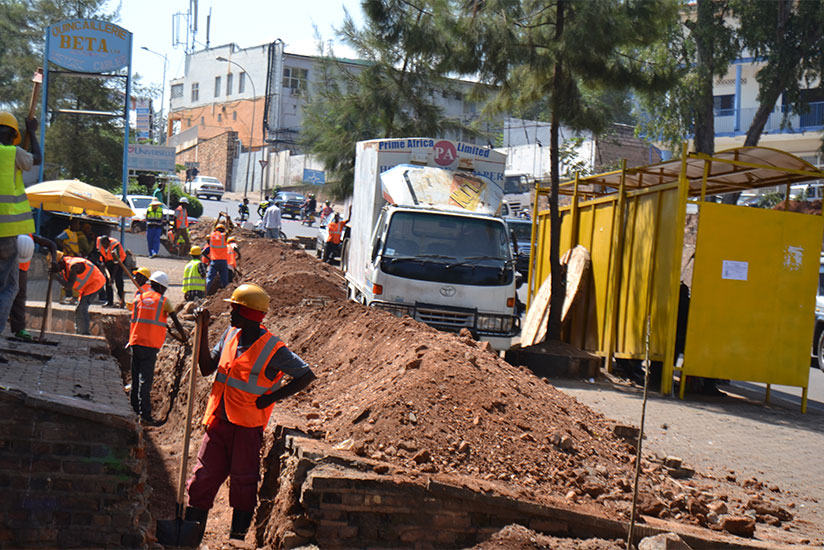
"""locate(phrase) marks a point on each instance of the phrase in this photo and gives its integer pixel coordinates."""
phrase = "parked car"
(206, 187)
(139, 204)
(521, 230)
(289, 203)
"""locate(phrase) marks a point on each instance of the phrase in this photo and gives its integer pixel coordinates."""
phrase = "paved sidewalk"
(736, 432)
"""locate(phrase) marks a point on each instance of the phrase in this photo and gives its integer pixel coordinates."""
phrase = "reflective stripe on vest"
(242, 378)
(154, 217)
(335, 231)
(15, 212)
(217, 246)
(181, 218)
(88, 281)
(192, 280)
(148, 322)
(107, 254)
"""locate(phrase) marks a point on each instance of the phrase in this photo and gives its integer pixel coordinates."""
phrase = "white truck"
(426, 240)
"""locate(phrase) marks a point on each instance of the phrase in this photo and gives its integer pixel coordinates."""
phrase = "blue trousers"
(153, 239)
(217, 268)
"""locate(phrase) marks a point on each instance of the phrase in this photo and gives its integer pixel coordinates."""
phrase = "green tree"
(565, 54)
(390, 94)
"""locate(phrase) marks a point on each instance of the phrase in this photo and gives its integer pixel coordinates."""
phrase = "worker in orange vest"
(335, 232)
(141, 275)
(219, 260)
(234, 257)
(182, 224)
(250, 363)
(110, 249)
(83, 276)
(147, 333)
(25, 251)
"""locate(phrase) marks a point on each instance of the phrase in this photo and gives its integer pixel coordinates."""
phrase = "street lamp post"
(162, 90)
(251, 126)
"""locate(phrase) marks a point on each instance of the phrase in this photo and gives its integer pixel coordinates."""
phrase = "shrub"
(176, 191)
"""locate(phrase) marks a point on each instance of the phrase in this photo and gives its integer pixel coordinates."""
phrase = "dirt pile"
(804, 207)
(427, 403)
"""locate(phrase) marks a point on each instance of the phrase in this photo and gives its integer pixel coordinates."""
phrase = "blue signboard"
(88, 45)
(316, 177)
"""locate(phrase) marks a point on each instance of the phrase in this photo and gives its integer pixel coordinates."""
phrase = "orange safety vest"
(217, 246)
(108, 253)
(137, 292)
(181, 218)
(232, 258)
(148, 323)
(88, 281)
(335, 232)
(241, 380)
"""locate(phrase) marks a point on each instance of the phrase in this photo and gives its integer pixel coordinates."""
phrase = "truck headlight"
(398, 310)
(494, 323)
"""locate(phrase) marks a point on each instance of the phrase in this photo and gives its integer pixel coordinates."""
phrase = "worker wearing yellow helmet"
(194, 276)
(15, 212)
(141, 276)
(251, 363)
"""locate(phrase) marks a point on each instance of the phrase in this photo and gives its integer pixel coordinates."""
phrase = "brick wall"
(620, 143)
(311, 494)
(214, 156)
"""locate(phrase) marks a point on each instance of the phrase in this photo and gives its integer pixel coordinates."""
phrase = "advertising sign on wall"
(151, 157)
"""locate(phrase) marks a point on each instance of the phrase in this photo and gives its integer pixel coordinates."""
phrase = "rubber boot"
(241, 520)
(199, 515)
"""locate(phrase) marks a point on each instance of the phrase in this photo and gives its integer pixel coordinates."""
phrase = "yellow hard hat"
(251, 296)
(220, 226)
(8, 119)
(231, 240)
(143, 271)
(195, 251)
(59, 256)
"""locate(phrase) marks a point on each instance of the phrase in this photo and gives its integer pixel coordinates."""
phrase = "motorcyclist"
(264, 204)
(307, 211)
(327, 209)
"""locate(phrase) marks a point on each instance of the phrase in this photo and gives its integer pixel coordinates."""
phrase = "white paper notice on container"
(734, 271)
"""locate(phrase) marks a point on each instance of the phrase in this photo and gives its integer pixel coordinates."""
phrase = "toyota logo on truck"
(447, 291)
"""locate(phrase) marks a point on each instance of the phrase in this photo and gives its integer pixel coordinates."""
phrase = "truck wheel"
(819, 351)
(137, 227)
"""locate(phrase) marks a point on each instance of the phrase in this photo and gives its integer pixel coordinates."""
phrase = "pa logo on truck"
(445, 153)
(447, 291)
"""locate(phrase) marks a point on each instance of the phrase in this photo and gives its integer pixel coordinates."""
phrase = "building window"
(229, 83)
(241, 83)
(195, 91)
(724, 105)
(295, 79)
(219, 118)
(177, 91)
(203, 121)
(189, 122)
(217, 86)
(234, 115)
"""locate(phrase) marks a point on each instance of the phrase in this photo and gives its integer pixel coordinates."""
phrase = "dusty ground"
(441, 405)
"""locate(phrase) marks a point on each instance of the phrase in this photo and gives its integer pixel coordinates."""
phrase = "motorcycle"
(307, 218)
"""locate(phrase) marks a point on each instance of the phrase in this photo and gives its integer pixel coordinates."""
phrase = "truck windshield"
(447, 248)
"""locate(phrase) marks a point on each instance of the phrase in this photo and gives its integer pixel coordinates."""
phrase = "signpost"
(83, 47)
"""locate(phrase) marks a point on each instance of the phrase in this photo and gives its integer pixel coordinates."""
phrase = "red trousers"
(228, 450)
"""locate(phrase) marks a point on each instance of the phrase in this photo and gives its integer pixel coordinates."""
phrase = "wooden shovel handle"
(184, 458)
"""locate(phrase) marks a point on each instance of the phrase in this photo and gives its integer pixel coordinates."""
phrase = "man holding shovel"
(250, 363)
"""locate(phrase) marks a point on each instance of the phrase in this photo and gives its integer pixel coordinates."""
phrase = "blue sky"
(244, 22)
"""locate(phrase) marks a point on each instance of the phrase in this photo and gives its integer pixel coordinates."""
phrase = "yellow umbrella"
(74, 197)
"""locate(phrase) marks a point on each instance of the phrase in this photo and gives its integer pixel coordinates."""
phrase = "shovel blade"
(179, 532)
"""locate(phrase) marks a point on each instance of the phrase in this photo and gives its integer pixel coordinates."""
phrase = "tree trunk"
(705, 48)
(553, 331)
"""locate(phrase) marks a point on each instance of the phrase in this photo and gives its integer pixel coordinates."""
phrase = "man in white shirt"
(271, 221)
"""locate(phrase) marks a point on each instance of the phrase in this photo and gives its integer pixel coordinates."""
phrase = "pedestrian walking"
(25, 247)
(154, 227)
(15, 212)
(83, 276)
(147, 333)
(251, 363)
(218, 275)
(110, 250)
(272, 221)
(194, 276)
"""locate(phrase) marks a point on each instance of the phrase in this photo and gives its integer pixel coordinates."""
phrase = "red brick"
(82, 467)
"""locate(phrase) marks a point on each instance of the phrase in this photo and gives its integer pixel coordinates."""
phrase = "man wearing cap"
(194, 276)
(147, 332)
(219, 260)
(154, 226)
(15, 212)
(110, 250)
(83, 276)
(182, 225)
(250, 363)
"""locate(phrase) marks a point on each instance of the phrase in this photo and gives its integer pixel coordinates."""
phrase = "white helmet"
(25, 248)
(160, 278)
(183, 200)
